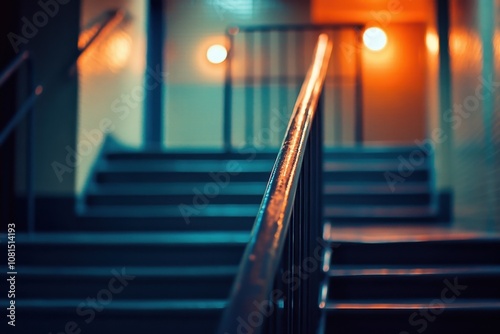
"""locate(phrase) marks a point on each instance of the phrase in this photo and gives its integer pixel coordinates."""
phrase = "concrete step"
(116, 316)
(119, 250)
(434, 252)
(412, 316)
(347, 283)
(146, 283)
(379, 214)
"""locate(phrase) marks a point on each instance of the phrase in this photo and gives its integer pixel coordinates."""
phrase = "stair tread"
(146, 211)
(346, 270)
(375, 188)
(184, 188)
(376, 210)
(164, 238)
(92, 271)
(125, 305)
(367, 165)
(412, 305)
(232, 167)
(403, 233)
(368, 148)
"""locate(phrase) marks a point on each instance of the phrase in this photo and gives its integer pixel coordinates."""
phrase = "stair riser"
(383, 322)
(109, 321)
(99, 200)
(219, 179)
(418, 253)
(412, 287)
(415, 154)
(154, 288)
(196, 223)
(131, 255)
(240, 155)
(343, 176)
(378, 199)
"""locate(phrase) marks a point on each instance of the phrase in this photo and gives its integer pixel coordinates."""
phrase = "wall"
(111, 88)
(194, 90)
(394, 87)
(50, 33)
(475, 103)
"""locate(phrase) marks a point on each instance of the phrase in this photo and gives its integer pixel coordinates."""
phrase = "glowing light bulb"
(216, 54)
(432, 42)
(375, 39)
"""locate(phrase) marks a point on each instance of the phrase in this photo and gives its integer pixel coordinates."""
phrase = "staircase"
(381, 185)
(393, 266)
(159, 237)
(407, 279)
(155, 249)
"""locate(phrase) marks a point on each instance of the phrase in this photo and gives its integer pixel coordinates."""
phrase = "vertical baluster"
(30, 155)
(359, 91)
(337, 89)
(249, 88)
(228, 93)
(299, 59)
(265, 84)
(283, 81)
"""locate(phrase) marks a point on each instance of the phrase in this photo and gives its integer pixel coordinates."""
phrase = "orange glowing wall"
(394, 79)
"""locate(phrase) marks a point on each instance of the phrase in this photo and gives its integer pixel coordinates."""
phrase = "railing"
(287, 226)
(264, 72)
(27, 109)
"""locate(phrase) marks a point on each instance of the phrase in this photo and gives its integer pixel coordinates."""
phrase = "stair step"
(119, 316)
(190, 209)
(413, 316)
(249, 154)
(378, 214)
(376, 188)
(432, 252)
(373, 152)
(365, 165)
(171, 199)
(219, 178)
(372, 283)
(179, 188)
(112, 220)
(376, 176)
(132, 249)
(230, 167)
(182, 283)
(382, 200)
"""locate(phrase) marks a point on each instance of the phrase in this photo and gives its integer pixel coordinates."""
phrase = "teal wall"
(474, 114)
(54, 46)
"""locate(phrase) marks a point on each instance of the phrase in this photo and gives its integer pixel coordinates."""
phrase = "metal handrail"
(114, 18)
(264, 251)
(14, 66)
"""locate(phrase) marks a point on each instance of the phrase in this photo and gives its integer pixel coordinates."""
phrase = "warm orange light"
(109, 54)
(432, 43)
(374, 39)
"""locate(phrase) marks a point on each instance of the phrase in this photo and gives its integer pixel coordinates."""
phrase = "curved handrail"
(263, 253)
